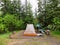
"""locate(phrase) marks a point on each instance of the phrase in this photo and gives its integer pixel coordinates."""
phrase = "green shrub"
(56, 21)
(1, 19)
(35, 21)
(28, 19)
(9, 21)
(3, 28)
(20, 24)
(13, 23)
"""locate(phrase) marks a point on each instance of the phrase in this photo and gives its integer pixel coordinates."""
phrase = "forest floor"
(43, 40)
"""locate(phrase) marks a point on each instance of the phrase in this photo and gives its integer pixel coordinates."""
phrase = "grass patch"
(55, 34)
(4, 41)
(4, 38)
(6, 35)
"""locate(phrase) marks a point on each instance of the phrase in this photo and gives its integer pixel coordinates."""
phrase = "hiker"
(38, 27)
(41, 31)
(47, 32)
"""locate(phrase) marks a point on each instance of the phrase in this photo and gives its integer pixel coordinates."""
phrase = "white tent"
(30, 31)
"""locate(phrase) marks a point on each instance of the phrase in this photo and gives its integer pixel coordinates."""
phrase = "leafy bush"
(29, 19)
(56, 21)
(35, 21)
(13, 23)
(3, 28)
(20, 24)
(9, 21)
(1, 19)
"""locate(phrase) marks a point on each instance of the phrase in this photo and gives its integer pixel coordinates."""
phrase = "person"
(41, 30)
(47, 32)
(38, 27)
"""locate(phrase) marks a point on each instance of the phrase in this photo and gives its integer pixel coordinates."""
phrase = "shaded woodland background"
(15, 16)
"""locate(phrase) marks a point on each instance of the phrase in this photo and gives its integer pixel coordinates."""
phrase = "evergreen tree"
(29, 14)
(49, 11)
(12, 7)
(41, 12)
(52, 13)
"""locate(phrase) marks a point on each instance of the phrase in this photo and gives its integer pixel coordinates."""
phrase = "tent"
(30, 31)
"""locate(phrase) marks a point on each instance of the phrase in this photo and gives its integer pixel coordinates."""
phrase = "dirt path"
(46, 40)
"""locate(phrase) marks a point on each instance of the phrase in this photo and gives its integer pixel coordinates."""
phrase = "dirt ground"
(42, 40)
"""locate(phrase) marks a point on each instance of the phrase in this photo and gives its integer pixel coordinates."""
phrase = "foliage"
(12, 7)
(35, 21)
(28, 19)
(56, 20)
(10, 21)
(20, 24)
(40, 17)
(3, 28)
(1, 19)
(49, 14)
(29, 14)
(16, 15)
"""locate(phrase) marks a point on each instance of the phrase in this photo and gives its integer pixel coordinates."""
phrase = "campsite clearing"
(23, 40)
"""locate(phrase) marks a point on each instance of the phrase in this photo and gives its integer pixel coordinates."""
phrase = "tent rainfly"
(30, 31)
